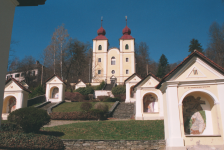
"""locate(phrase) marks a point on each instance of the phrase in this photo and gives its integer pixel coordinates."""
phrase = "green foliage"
(202, 112)
(164, 67)
(86, 106)
(85, 90)
(39, 90)
(100, 87)
(31, 119)
(102, 107)
(10, 127)
(110, 99)
(194, 44)
(12, 140)
(120, 89)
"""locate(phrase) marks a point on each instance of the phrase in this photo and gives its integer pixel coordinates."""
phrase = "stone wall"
(114, 144)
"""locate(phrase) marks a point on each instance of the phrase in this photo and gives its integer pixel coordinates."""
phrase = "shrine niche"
(150, 103)
(55, 93)
(193, 115)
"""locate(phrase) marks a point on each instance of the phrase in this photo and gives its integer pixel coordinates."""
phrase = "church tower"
(127, 54)
(99, 60)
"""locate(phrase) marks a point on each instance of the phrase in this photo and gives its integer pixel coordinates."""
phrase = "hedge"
(90, 115)
(120, 89)
(12, 140)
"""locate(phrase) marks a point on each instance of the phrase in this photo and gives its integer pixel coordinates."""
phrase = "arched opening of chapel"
(9, 104)
(54, 92)
(150, 103)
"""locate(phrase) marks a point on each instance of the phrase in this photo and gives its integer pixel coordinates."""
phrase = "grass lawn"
(75, 106)
(112, 130)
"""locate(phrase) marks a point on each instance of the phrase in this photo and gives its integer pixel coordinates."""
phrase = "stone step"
(124, 111)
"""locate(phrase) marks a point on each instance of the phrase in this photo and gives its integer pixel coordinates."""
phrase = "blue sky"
(167, 26)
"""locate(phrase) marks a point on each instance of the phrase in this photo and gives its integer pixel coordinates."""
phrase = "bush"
(89, 115)
(31, 119)
(39, 90)
(122, 97)
(10, 127)
(110, 99)
(101, 106)
(74, 97)
(85, 90)
(102, 98)
(11, 140)
(120, 89)
(100, 87)
(86, 106)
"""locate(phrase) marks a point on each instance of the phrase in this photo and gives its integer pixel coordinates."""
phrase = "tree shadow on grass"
(53, 133)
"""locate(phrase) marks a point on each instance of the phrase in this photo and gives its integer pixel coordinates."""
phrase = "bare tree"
(215, 50)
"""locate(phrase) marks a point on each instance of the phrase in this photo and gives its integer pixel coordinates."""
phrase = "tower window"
(126, 46)
(113, 72)
(99, 47)
(99, 71)
(113, 61)
(99, 59)
(126, 59)
(127, 72)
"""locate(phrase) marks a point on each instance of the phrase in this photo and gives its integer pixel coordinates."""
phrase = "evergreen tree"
(194, 44)
(164, 67)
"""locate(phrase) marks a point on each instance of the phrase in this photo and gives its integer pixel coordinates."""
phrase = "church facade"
(114, 64)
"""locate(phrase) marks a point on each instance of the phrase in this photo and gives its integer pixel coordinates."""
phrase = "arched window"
(113, 61)
(99, 47)
(126, 46)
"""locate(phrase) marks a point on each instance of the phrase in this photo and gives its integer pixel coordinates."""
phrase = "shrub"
(74, 97)
(31, 119)
(100, 87)
(102, 98)
(88, 115)
(90, 96)
(120, 89)
(110, 99)
(39, 90)
(10, 127)
(86, 106)
(11, 140)
(85, 90)
(101, 106)
(122, 97)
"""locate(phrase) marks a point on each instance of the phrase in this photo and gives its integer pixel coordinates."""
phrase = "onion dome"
(126, 33)
(101, 31)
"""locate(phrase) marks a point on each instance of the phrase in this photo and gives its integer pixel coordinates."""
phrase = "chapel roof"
(188, 58)
(150, 74)
(134, 74)
(54, 75)
(101, 33)
(20, 85)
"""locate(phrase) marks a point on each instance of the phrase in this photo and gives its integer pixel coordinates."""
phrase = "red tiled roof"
(150, 74)
(20, 85)
(132, 76)
(57, 77)
(195, 53)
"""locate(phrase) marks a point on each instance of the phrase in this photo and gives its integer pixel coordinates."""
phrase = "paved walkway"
(63, 122)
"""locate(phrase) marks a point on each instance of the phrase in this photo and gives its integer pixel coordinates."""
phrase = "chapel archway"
(9, 104)
(150, 103)
(54, 92)
(197, 111)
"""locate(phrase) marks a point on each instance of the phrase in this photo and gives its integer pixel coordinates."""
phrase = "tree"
(195, 45)
(164, 67)
(142, 58)
(215, 50)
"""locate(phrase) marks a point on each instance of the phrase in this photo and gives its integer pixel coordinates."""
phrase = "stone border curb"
(50, 108)
(42, 104)
(113, 108)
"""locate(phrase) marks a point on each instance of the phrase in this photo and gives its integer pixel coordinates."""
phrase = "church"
(113, 65)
